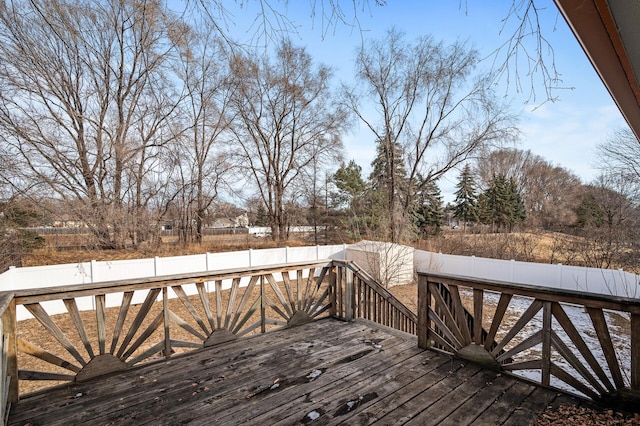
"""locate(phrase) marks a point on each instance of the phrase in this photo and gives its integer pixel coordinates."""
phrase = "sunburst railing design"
(587, 344)
(135, 321)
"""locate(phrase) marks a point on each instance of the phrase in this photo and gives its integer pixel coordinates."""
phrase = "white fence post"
(559, 276)
(156, 266)
(250, 258)
(12, 276)
(512, 265)
(92, 271)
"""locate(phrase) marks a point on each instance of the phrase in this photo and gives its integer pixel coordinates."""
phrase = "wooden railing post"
(478, 303)
(348, 294)
(333, 283)
(165, 311)
(546, 344)
(9, 329)
(263, 306)
(423, 312)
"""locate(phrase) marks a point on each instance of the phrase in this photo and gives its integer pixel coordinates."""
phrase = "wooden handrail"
(605, 301)
(55, 293)
(545, 318)
(364, 297)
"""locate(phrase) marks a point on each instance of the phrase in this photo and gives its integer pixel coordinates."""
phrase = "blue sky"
(564, 132)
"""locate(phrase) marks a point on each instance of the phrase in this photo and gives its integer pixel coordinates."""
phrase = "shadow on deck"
(323, 372)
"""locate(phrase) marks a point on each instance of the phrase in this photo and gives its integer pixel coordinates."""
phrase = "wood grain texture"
(344, 373)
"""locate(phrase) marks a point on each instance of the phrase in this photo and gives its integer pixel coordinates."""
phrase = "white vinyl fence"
(604, 281)
(592, 280)
(94, 271)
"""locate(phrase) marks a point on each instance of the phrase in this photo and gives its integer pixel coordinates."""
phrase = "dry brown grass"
(56, 251)
(536, 246)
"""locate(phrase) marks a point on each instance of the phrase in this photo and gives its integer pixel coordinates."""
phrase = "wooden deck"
(323, 372)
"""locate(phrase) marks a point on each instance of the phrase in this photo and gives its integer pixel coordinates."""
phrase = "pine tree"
(429, 212)
(348, 180)
(518, 210)
(390, 178)
(501, 204)
(589, 213)
(500, 199)
(466, 202)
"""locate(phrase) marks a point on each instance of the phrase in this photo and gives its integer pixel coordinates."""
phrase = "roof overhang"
(609, 33)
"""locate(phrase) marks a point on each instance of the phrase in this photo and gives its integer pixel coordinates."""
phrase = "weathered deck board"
(367, 374)
(179, 374)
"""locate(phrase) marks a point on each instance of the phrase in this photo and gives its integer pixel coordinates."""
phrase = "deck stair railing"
(586, 344)
(359, 295)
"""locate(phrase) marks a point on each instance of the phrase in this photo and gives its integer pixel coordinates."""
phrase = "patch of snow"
(353, 403)
(314, 374)
(313, 415)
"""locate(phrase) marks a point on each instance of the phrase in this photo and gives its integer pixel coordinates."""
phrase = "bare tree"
(526, 53)
(525, 59)
(203, 113)
(620, 154)
(85, 99)
(608, 222)
(286, 120)
(428, 103)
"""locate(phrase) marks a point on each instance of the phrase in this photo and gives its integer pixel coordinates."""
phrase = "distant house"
(67, 221)
(221, 223)
(166, 226)
(242, 221)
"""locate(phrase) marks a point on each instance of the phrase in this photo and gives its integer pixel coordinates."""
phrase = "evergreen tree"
(496, 208)
(389, 177)
(501, 204)
(518, 210)
(348, 179)
(429, 213)
(364, 215)
(466, 203)
(484, 211)
(589, 213)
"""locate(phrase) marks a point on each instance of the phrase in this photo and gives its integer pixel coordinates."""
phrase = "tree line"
(129, 112)
(123, 114)
(594, 224)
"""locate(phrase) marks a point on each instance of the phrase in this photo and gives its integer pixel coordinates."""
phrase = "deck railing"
(359, 295)
(586, 344)
(8, 361)
(136, 321)
(87, 330)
